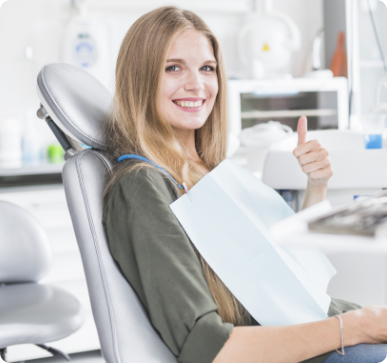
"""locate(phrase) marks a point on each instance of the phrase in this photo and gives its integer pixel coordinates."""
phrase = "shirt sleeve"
(156, 257)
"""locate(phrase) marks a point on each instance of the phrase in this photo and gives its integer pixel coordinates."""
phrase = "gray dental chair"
(30, 313)
(75, 106)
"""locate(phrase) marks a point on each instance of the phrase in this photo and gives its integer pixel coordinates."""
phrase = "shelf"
(287, 113)
(35, 169)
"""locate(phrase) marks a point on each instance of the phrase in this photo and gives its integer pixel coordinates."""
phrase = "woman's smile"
(190, 104)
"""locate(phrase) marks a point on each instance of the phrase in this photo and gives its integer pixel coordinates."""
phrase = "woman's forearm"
(314, 195)
(286, 344)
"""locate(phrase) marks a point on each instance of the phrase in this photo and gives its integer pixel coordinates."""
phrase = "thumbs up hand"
(312, 157)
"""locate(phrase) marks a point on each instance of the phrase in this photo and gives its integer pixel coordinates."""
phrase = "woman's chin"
(180, 118)
(189, 123)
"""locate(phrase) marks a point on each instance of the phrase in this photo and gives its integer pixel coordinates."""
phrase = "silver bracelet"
(342, 335)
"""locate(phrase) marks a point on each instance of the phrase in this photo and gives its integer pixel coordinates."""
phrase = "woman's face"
(190, 84)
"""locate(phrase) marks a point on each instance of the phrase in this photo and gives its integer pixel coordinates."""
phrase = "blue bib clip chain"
(141, 158)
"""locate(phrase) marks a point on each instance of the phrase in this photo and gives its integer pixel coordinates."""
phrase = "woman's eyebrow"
(182, 61)
(176, 60)
(211, 61)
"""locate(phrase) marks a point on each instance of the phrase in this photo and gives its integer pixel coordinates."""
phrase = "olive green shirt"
(157, 258)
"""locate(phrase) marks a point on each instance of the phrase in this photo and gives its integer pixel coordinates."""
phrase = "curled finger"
(313, 156)
(312, 145)
(311, 167)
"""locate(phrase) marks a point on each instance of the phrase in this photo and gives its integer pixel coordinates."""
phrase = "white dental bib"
(228, 221)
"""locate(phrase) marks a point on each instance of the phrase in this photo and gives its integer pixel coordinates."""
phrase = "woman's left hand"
(313, 158)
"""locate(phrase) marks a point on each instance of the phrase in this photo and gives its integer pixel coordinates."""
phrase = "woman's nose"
(194, 83)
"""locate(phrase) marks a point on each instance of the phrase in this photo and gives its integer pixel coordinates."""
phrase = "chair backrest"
(25, 252)
(78, 102)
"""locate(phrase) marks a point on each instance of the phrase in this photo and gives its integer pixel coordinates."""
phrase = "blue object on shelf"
(373, 141)
(362, 196)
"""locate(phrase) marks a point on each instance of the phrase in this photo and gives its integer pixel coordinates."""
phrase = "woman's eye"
(172, 69)
(208, 68)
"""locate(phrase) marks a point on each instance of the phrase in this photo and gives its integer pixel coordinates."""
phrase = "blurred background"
(301, 35)
(284, 59)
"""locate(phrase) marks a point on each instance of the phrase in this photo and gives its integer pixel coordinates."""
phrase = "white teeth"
(189, 104)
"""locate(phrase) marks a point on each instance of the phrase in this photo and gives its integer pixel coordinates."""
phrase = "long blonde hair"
(136, 126)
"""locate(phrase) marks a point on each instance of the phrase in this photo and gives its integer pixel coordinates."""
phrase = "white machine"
(266, 42)
(86, 43)
(357, 172)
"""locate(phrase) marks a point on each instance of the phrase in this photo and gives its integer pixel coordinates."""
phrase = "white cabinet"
(48, 205)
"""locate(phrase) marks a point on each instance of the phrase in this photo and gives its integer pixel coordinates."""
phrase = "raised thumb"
(302, 129)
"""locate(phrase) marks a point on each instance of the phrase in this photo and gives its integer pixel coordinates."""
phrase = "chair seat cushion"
(37, 314)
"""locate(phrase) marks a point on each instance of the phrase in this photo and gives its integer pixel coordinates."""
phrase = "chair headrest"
(76, 101)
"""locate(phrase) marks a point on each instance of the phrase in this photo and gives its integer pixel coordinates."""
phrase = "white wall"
(40, 23)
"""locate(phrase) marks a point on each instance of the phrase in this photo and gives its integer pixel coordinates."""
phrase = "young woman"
(170, 107)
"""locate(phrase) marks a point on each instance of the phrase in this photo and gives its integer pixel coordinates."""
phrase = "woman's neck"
(187, 140)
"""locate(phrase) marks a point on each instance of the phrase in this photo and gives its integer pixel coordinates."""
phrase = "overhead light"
(384, 2)
(2, 2)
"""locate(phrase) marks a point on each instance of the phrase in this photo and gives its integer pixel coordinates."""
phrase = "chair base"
(3, 353)
(55, 352)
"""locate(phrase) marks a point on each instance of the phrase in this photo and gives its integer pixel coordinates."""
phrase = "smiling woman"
(174, 89)
(170, 107)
